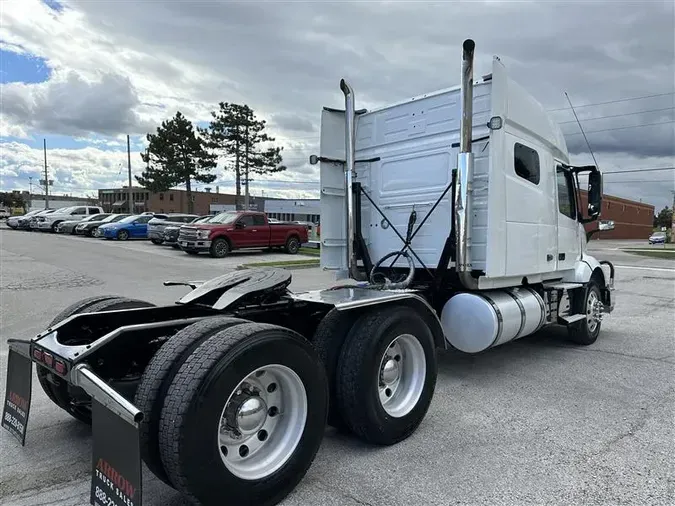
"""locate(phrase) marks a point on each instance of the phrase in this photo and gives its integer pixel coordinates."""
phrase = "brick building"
(172, 201)
(632, 220)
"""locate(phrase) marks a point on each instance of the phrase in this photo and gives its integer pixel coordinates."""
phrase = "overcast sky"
(84, 73)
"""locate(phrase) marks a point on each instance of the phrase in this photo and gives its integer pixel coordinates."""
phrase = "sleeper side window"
(526, 163)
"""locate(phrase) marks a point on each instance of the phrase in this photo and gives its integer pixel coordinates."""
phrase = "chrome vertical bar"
(465, 171)
(350, 149)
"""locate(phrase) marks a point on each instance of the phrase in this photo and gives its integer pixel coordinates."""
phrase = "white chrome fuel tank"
(474, 322)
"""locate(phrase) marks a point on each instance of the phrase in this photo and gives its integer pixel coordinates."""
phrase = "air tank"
(476, 321)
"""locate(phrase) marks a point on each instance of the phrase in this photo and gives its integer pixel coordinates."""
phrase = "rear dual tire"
(382, 370)
(238, 409)
(157, 379)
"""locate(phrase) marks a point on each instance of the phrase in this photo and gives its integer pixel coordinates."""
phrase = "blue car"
(131, 227)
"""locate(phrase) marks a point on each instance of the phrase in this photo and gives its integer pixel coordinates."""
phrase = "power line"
(623, 128)
(615, 101)
(638, 170)
(619, 115)
(641, 181)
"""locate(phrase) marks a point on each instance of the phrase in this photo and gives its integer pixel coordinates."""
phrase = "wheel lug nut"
(262, 435)
(243, 451)
(271, 387)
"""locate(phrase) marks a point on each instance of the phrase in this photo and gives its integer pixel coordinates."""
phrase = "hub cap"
(262, 422)
(401, 375)
(593, 311)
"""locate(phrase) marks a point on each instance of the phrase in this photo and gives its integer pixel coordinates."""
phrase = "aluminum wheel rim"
(401, 375)
(221, 248)
(262, 422)
(591, 317)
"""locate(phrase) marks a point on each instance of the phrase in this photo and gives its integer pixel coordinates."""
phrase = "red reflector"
(60, 367)
(48, 359)
(37, 355)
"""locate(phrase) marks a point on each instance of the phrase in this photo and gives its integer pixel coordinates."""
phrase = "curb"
(280, 266)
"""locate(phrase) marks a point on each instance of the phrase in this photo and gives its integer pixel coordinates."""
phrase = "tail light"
(48, 359)
(60, 367)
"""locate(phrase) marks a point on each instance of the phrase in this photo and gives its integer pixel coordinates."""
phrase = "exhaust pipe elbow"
(350, 153)
(463, 191)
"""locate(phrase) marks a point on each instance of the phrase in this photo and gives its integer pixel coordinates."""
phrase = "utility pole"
(46, 176)
(131, 192)
(246, 194)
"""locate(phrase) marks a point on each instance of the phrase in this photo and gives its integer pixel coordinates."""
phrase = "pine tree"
(237, 135)
(176, 156)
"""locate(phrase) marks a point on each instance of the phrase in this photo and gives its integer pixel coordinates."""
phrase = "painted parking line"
(662, 269)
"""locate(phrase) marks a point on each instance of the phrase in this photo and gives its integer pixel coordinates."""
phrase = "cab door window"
(566, 202)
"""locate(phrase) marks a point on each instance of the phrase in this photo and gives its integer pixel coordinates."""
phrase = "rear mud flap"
(116, 460)
(116, 451)
(17, 395)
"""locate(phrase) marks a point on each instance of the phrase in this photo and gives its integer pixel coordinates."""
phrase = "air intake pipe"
(350, 150)
(465, 172)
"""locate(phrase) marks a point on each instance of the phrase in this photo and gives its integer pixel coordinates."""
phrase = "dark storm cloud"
(72, 106)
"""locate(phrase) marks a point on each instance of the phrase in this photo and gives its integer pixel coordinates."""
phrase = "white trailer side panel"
(417, 143)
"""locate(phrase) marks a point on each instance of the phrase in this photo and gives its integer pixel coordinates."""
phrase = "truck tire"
(56, 388)
(220, 248)
(386, 374)
(586, 331)
(157, 378)
(328, 339)
(211, 449)
(292, 245)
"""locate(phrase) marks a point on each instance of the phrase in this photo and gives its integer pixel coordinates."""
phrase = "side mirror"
(602, 225)
(594, 194)
(606, 225)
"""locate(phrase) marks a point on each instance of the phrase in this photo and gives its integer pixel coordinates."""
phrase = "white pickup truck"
(51, 221)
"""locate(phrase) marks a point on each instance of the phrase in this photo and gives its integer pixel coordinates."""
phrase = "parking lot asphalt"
(538, 421)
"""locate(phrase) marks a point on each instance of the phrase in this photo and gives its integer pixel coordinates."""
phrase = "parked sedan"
(657, 238)
(68, 227)
(90, 228)
(131, 227)
(170, 235)
(157, 224)
(13, 221)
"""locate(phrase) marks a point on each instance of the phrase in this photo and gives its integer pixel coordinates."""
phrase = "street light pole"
(46, 175)
(131, 193)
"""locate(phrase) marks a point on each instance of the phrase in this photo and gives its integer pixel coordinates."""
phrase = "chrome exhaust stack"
(350, 153)
(465, 172)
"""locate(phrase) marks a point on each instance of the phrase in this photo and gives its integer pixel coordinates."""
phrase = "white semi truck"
(452, 220)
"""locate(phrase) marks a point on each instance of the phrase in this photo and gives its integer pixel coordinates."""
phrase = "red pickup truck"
(240, 230)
